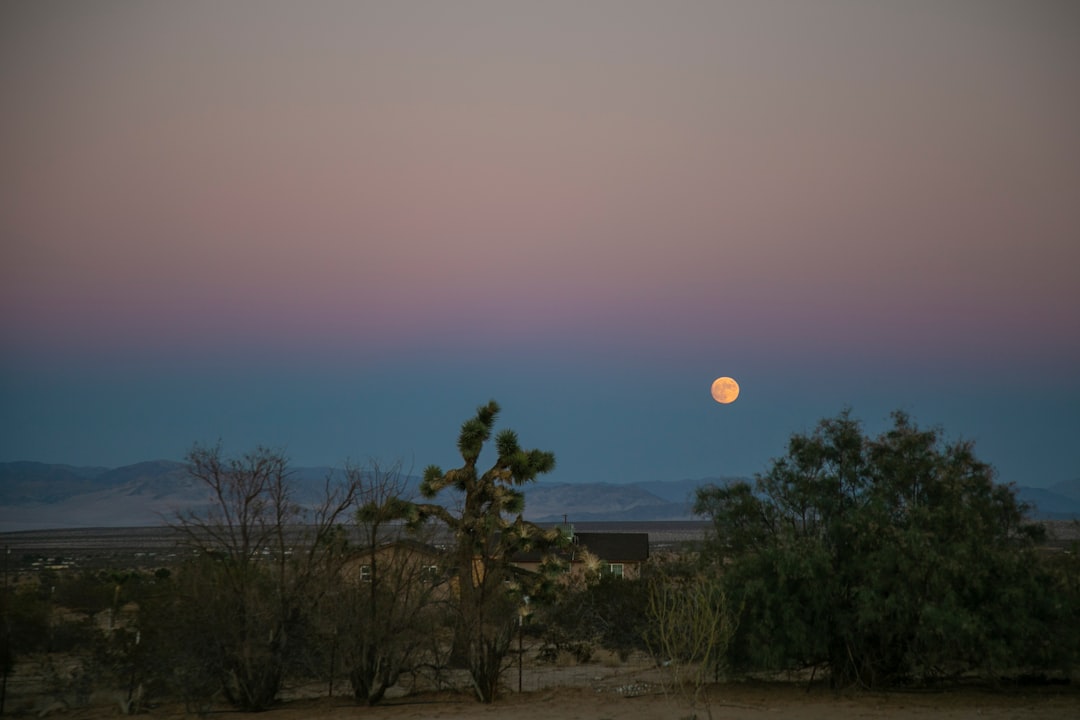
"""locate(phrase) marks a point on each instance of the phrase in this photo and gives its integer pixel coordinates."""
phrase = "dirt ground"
(606, 689)
(731, 702)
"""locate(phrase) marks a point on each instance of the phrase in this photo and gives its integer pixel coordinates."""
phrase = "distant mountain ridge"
(37, 496)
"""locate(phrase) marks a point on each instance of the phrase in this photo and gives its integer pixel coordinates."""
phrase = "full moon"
(725, 390)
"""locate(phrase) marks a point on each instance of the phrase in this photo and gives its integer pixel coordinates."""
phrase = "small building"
(397, 559)
(587, 554)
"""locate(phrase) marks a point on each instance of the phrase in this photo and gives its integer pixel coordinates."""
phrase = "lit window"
(615, 569)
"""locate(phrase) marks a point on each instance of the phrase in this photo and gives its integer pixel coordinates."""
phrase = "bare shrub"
(689, 633)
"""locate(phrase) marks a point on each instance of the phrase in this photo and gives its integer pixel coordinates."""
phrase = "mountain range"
(37, 496)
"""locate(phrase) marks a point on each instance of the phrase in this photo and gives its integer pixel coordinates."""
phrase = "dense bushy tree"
(1054, 607)
(489, 593)
(883, 559)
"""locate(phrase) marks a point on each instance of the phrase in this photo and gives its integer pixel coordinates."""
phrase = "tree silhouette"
(883, 560)
(266, 559)
(489, 592)
(384, 623)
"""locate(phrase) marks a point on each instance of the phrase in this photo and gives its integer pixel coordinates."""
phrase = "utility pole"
(9, 652)
(522, 612)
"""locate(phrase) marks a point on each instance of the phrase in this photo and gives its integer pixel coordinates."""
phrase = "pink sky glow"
(872, 188)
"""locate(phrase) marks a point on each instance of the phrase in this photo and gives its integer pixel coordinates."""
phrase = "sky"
(336, 228)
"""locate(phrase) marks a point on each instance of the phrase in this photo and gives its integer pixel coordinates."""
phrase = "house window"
(615, 569)
(365, 573)
(431, 572)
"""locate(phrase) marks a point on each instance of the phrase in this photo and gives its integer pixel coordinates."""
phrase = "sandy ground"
(740, 702)
(610, 690)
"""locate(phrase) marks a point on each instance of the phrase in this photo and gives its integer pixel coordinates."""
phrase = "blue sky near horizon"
(338, 228)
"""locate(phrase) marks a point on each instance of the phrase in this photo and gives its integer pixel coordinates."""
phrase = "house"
(586, 554)
(599, 553)
(398, 559)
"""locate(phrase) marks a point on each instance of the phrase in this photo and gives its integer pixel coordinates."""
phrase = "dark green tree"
(489, 592)
(883, 560)
(1054, 606)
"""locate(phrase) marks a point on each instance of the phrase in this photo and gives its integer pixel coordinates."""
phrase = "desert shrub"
(690, 627)
(185, 629)
(381, 624)
(26, 622)
(264, 560)
(611, 612)
(84, 592)
(1049, 641)
(884, 560)
(24, 628)
(142, 657)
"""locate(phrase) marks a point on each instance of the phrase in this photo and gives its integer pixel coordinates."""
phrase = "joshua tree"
(489, 593)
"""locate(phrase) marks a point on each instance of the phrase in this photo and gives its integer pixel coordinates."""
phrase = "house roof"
(413, 546)
(616, 547)
(607, 546)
